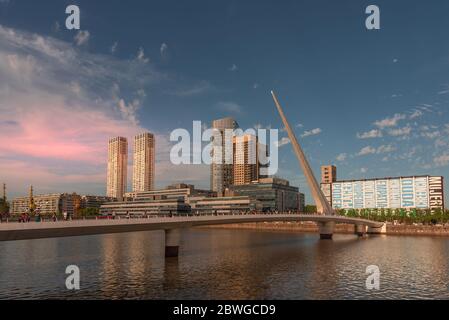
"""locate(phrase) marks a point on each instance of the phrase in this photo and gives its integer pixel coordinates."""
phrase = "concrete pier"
(377, 230)
(326, 230)
(360, 230)
(172, 239)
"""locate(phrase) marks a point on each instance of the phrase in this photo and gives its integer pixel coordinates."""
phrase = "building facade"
(328, 174)
(274, 194)
(143, 165)
(48, 204)
(117, 167)
(420, 192)
(246, 159)
(222, 169)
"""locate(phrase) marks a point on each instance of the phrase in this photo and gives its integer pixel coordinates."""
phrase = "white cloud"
(370, 134)
(405, 131)
(390, 122)
(114, 47)
(416, 114)
(441, 161)
(430, 134)
(311, 132)
(255, 86)
(371, 150)
(141, 56)
(366, 150)
(445, 89)
(284, 141)
(342, 157)
(233, 68)
(163, 48)
(363, 170)
(82, 37)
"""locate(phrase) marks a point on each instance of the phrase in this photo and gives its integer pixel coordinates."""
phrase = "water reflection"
(226, 264)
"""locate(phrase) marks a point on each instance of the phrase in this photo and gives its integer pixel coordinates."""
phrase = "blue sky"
(374, 103)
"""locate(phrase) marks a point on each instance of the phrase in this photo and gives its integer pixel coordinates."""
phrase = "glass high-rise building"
(222, 169)
(117, 167)
(143, 165)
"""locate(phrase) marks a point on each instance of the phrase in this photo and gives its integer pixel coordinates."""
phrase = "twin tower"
(143, 165)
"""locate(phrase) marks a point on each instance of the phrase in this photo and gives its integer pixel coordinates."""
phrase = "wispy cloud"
(405, 131)
(342, 157)
(82, 37)
(312, 132)
(114, 47)
(370, 134)
(282, 142)
(141, 56)
(163, 49)
(371, 150)
(229, 106)
(233, 68)
(390, 122)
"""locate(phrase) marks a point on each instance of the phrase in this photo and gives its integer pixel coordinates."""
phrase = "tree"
(89, 212)
(4, 207)
(310, 209)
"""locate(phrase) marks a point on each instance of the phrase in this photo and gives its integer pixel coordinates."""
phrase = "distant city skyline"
(374, 103)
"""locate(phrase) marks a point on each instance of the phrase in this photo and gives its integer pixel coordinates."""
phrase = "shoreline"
(311, 227)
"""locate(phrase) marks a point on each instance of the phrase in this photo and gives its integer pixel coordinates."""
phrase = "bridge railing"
(147, 216)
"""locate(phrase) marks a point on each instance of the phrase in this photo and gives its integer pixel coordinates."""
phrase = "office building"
(117, 167)
(274, 194)
(143, 165)
(222, 169)
(411, 192)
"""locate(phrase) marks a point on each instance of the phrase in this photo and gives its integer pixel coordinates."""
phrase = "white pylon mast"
(322, 205)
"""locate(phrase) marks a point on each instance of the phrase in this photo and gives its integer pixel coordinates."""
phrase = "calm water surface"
(226, 264)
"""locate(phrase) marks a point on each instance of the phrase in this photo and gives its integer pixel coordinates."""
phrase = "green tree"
(89, 212)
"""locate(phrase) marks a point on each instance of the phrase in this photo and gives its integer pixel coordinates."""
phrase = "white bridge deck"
(38, 230)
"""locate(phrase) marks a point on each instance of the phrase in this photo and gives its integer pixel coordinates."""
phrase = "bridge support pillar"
(326, 230)
(360, 230)
(380, 230)
(172, 239)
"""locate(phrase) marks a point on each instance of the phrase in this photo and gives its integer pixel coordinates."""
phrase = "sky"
(373, 102)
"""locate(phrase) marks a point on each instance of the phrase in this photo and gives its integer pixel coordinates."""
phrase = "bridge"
(171, 225)
(326, 217)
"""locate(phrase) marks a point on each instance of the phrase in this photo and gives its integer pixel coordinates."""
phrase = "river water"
(226, 264)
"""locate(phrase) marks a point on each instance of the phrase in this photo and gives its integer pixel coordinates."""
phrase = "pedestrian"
(65, 215)
(54, 217)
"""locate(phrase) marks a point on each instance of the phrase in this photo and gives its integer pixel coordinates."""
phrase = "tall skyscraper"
(222, 173)
(117, 167)
(143, 170)
(246, 160)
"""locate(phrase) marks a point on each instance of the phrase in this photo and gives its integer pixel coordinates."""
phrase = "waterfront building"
(143, 165)
(179, 199)
(47, 204)
(410, 192)
(92, 201)
(117, 167)
(222, 169)
(273, 194)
